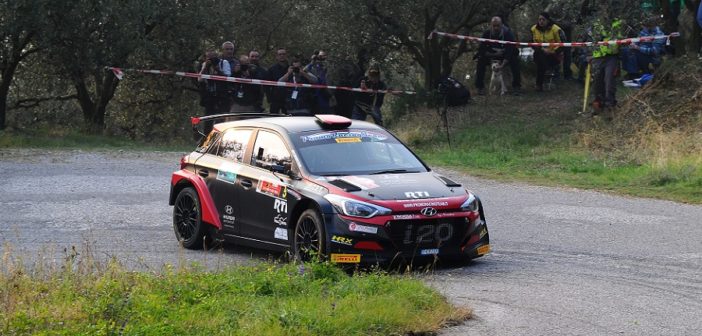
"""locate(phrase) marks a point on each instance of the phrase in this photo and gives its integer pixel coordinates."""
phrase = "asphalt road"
(564, 261)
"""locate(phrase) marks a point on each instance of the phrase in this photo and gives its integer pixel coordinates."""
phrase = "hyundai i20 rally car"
(324, 186)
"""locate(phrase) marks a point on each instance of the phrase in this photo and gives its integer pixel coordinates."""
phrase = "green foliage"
(266, 299)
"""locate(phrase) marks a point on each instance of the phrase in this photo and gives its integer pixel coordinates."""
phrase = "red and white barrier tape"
(119, 73)
(557, 44)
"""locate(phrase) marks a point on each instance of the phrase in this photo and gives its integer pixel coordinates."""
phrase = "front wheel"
(187, 219)
(308, 242)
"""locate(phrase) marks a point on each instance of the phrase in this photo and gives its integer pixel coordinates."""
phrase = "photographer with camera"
(370, 102)
(213, 94)
(244, 95)
(298, 99)
(321, 98)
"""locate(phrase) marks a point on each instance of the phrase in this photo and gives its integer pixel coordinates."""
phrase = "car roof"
(290, 124)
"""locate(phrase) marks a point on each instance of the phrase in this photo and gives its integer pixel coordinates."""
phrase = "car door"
(221, 165)
(265, 212)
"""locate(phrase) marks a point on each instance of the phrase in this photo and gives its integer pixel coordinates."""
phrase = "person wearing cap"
(370, 102)
(639, 57)
(545, 31)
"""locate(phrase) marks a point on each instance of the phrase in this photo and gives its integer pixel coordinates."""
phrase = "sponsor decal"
(483, 232)
(428, 211)
(425, 204)
(347, 140)
(280, 220)
(362, 182)
(227, 172)
(345, 258)
(362, 228)
(313, 188)
(281, 233)
(227, 219)
(280, 206)
(228, 209)
(483, 249)
(271, 189)
(372, 136)
(404, 217)
(429, 251)
(417, 194)
(342, 240)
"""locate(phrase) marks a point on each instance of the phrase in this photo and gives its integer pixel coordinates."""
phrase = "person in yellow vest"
(605, 64)
(545, 31)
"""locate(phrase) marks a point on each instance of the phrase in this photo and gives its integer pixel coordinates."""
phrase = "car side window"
(209, 144)
(233, 144)
(270, 151)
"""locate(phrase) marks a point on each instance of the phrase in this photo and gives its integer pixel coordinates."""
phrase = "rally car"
(321, 187)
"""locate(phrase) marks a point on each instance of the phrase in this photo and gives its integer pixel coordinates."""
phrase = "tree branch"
(34, 102)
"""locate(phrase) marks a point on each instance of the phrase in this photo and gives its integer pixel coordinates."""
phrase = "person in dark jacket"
(505, 53)
(277, 95)
(298, 100)
(370, 102)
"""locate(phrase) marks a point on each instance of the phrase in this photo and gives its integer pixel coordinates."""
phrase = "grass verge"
(266, 299)
(540, 138)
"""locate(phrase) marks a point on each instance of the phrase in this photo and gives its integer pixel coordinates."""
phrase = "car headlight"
(471, 204)
(355, 208)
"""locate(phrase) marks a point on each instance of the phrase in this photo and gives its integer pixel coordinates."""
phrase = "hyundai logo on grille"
(429, 211)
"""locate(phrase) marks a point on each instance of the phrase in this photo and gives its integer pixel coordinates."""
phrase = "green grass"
(266, 299)
(522, 141)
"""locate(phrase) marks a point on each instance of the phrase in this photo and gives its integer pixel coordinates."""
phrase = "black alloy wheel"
(309, 237)
(187, 219)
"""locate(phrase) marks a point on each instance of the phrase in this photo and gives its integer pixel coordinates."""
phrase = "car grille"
(411, 236)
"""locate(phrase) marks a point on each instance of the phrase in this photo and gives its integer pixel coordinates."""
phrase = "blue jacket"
(653, 48)
(699, 15)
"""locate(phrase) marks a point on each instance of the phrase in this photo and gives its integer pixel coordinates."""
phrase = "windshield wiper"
(393, 171)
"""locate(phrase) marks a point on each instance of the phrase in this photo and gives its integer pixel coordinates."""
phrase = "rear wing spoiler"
(198, 123)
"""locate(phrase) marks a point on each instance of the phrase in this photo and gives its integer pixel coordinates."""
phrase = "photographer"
(298, 99)
(321, 102)
(370, 102)
(213, 94)
(244, 95)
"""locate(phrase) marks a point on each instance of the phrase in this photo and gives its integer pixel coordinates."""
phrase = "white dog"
(497, 78)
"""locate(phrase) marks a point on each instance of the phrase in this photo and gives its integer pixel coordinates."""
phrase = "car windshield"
(355, 152)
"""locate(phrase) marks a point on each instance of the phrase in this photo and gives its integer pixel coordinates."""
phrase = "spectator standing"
(214, 95)
(345, 74)
(256, 71)
(244, 94)
(277, 95)
(227, 53)
(638, 58)
(321, 98)
(370, 102)
(545, 31)
(298, 99)
(605, 64)
(505, 53)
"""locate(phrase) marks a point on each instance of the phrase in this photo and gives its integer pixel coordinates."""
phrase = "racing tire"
(187, 220)
(309, 238)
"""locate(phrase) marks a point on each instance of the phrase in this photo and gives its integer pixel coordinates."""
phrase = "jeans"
(605, 86)
(360, 114)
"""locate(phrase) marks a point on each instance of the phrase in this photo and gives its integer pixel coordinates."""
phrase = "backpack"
(456, 93)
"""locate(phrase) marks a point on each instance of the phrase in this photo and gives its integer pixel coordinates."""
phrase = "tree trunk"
(7, 76)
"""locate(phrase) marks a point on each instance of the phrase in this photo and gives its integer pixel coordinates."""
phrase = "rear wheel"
(308, 242)
(187, 219)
